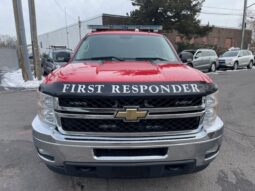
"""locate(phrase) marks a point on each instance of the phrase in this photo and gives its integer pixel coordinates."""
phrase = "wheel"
(250, 65)
(235, 67)
(213, 67)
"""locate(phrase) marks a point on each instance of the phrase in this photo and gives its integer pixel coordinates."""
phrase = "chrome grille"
(118, 126)
(222, 61)
(97, 116)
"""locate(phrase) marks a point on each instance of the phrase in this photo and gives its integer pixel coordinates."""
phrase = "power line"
(64, 10)
(209, 7)
(222, 14)
(251, 5)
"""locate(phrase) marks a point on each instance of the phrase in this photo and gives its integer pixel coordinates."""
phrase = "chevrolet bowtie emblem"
(131, 114)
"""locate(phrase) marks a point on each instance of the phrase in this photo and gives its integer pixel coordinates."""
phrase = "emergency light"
(149, 28)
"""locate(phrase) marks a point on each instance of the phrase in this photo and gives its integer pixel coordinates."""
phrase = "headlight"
(211, 104)
(46, 108)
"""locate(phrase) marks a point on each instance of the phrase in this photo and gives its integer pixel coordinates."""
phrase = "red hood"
(126, 72)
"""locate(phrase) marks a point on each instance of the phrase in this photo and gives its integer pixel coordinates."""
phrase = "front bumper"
(226, 64)
(60, 151)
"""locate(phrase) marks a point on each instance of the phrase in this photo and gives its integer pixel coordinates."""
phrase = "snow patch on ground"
(229, 70)
(14, 80)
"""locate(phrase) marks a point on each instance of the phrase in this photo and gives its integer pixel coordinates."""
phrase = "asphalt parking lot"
(234, 169)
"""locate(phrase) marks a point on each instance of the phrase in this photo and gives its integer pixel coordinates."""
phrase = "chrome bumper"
(201, 147)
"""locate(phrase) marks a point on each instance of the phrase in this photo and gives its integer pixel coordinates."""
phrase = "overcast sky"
(51, 14)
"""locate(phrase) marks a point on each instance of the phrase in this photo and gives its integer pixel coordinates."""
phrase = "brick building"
(219, 37)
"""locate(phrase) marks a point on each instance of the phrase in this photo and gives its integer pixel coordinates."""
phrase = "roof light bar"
(154, 28)
(57, 47)
(52, 47)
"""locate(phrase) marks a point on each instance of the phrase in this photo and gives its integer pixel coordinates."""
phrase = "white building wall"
(59, 37)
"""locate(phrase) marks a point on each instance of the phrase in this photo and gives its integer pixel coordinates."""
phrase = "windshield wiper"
(103, 58)
(152, 58)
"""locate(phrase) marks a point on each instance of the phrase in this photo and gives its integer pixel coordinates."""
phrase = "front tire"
(250, 65)
(235, 67)
(213, 67)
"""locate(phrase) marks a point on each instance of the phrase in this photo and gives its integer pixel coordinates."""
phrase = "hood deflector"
(65, 89)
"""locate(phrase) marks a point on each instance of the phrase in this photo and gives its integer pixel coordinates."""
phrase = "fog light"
(42, 151)
(212, 152)
(45, 155)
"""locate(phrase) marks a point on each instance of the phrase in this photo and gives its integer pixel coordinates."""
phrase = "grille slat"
(119, 126)
(158, 102)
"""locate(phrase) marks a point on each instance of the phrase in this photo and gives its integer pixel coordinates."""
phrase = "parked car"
(54, 60)
(201, 59)
(237, 58)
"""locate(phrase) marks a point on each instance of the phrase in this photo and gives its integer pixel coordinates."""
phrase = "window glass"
(213, 53)
(186, 55)
(210, 53)
(125, 47)
(230, 54)
(61, 56)
(205, 53)
(247, 53)
(241, 53)
(199, 54)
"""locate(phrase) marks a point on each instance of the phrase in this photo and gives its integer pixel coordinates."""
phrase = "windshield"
(60, 56)
(230, 54)
(125, 47)
(190, 51)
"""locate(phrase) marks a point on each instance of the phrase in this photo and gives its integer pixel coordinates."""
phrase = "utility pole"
(16, 18)
(21, 40)
(79, 23)
(34, 40)
(67, 38)
(244, 23)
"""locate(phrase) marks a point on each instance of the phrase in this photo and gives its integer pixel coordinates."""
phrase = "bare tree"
(250, 22)
(7, 41)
